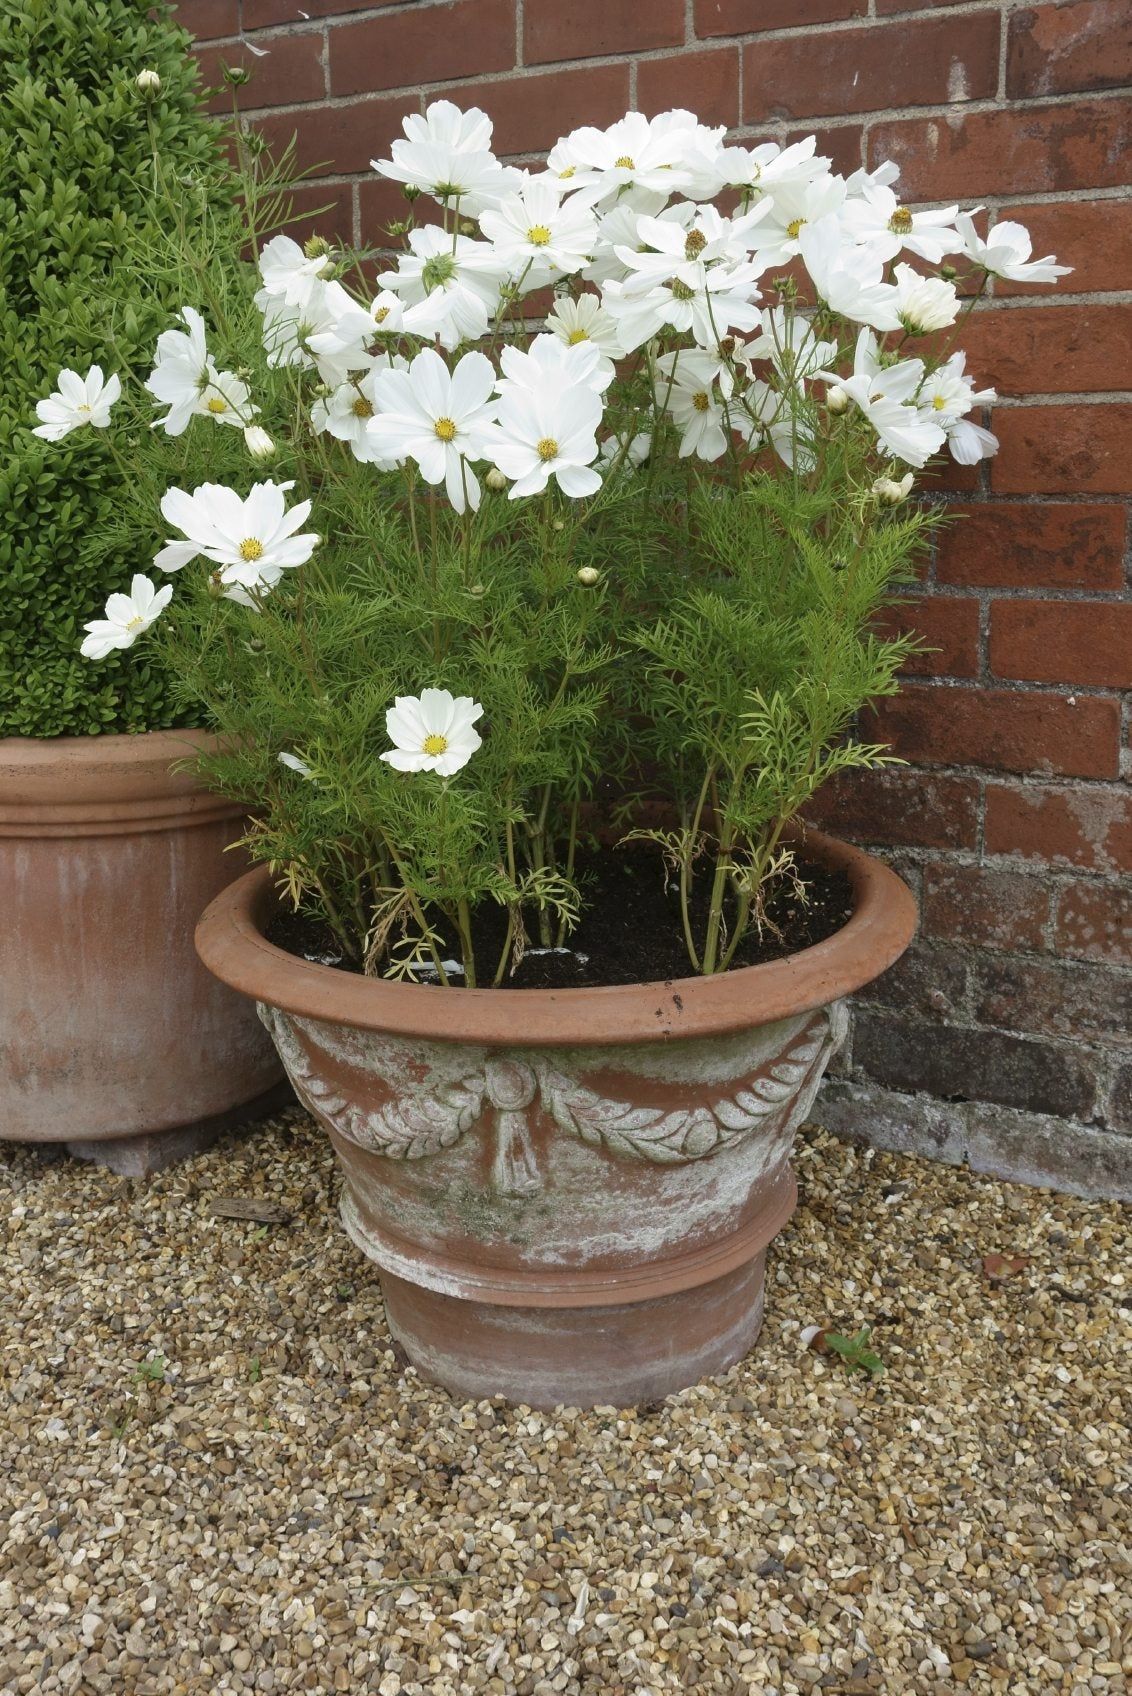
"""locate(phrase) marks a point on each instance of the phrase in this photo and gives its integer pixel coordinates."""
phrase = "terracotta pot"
(569, 1193)
(113, 1037)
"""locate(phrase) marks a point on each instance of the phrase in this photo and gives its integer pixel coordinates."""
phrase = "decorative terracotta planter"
(569, 1193)
(113, 1038)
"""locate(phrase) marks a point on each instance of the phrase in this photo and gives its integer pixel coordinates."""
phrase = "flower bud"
(476, 590)
(259, 443)
(836, 399)
(588, 575)
(558, 524)
(889, 492)
(316, 246)
(495, 479)
(148, 83)
(235, 75)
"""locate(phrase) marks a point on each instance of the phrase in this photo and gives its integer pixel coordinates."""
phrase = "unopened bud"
(148, 83)
(836, 399)
(558, 524)
(235, 75)
(315, 246)
(477, 590)
(588, 575)
(889, 492)
(259, 443)
(495, 479)
(411, 193)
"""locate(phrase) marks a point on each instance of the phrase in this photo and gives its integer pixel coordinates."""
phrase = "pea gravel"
(218, 1474)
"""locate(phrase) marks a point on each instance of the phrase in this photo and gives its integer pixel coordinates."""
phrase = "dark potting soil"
(629, 931)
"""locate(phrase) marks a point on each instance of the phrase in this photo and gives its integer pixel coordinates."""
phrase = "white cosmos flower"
(889, 397)
(789, 341)
(1006, 252)
(447, 154)
(349, 343)
(287, 272)
(289, 328)
(449, 285)
(687, 387)
(126, 617)
(182, 372)
(547, 431)
(924, 303)
(688, 235)
(756, 170)
(775, 419)
(618, 229)
(253, 541)
(686, 273)
(849, 279)
(226, 400)
(947, 395)
(538, 235)
(634, 154)
(585, 320)
(875, 219)
(613, 451)
(258, 443)
(75, 402)
(891, 491)
(346, 411)
(550, 363)
(432, 731)
(439, 419)
(295, 764)
(797, 202)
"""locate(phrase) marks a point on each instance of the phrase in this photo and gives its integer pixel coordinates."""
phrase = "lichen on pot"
(569, 1194)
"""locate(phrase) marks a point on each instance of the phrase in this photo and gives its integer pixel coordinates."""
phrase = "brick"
(290, 73)
(746, 17)
(337, 140)
(1094, 922)
(1032, 545)
(887, 6)
(1063, 450)
(1001, 730)
(422, 45)
(1094, 236)
(1063, 642)
(948, 626)
(984, 906)
(930, 62)
(1037, 149)
(1055, 998)
(1069, 49)
(323, 209)
(1119, 1114)
(707, 82)
(258, 14)
(927, 982)
(531, 113)
(910, 809)
(586, 29)
(1077, 825)
(209, 19)
(973, 1065)
(1072, 349)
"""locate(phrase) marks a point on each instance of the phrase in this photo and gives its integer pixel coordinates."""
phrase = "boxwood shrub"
(77, 147)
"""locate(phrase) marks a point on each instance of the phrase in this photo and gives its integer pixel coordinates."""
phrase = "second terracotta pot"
(569, 1193)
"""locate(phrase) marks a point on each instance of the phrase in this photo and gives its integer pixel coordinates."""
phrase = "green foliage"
(77, 147)
(855, 1351)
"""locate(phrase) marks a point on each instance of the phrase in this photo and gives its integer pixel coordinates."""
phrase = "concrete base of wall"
(1003, 1142)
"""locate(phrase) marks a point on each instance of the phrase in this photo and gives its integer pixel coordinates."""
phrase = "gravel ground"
(219, 1476)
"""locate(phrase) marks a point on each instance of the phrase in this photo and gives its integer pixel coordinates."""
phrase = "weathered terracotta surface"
(569, 1193)
(113, 1037)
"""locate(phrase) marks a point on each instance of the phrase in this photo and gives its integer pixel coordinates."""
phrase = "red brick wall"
(1015, 821)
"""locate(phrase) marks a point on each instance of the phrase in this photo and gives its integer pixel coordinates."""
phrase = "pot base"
(153, 1151)
(547, 1357)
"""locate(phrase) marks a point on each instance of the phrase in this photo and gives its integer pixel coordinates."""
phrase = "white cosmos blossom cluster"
(442, 375)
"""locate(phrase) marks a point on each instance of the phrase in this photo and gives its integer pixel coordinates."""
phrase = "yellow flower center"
(136, 622)
(694, 243)
(251, 549)
(381, 315)
(793, 227)
(700, 401)
(84, 406)
(901, 221)
(445, 429)
(362, 408)
(938, 402)
(434, 744)
(548, 448)
(680, 290)
(577, 336)
(567, 171)
(624, 163)
(217, 403)
(538, 235)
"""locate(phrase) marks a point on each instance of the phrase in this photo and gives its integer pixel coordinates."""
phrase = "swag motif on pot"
(769, 1096)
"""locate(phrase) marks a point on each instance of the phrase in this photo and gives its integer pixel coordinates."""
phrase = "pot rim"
(79, 785)
(230, 940)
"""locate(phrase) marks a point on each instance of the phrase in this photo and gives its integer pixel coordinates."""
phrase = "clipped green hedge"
(76, 167)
